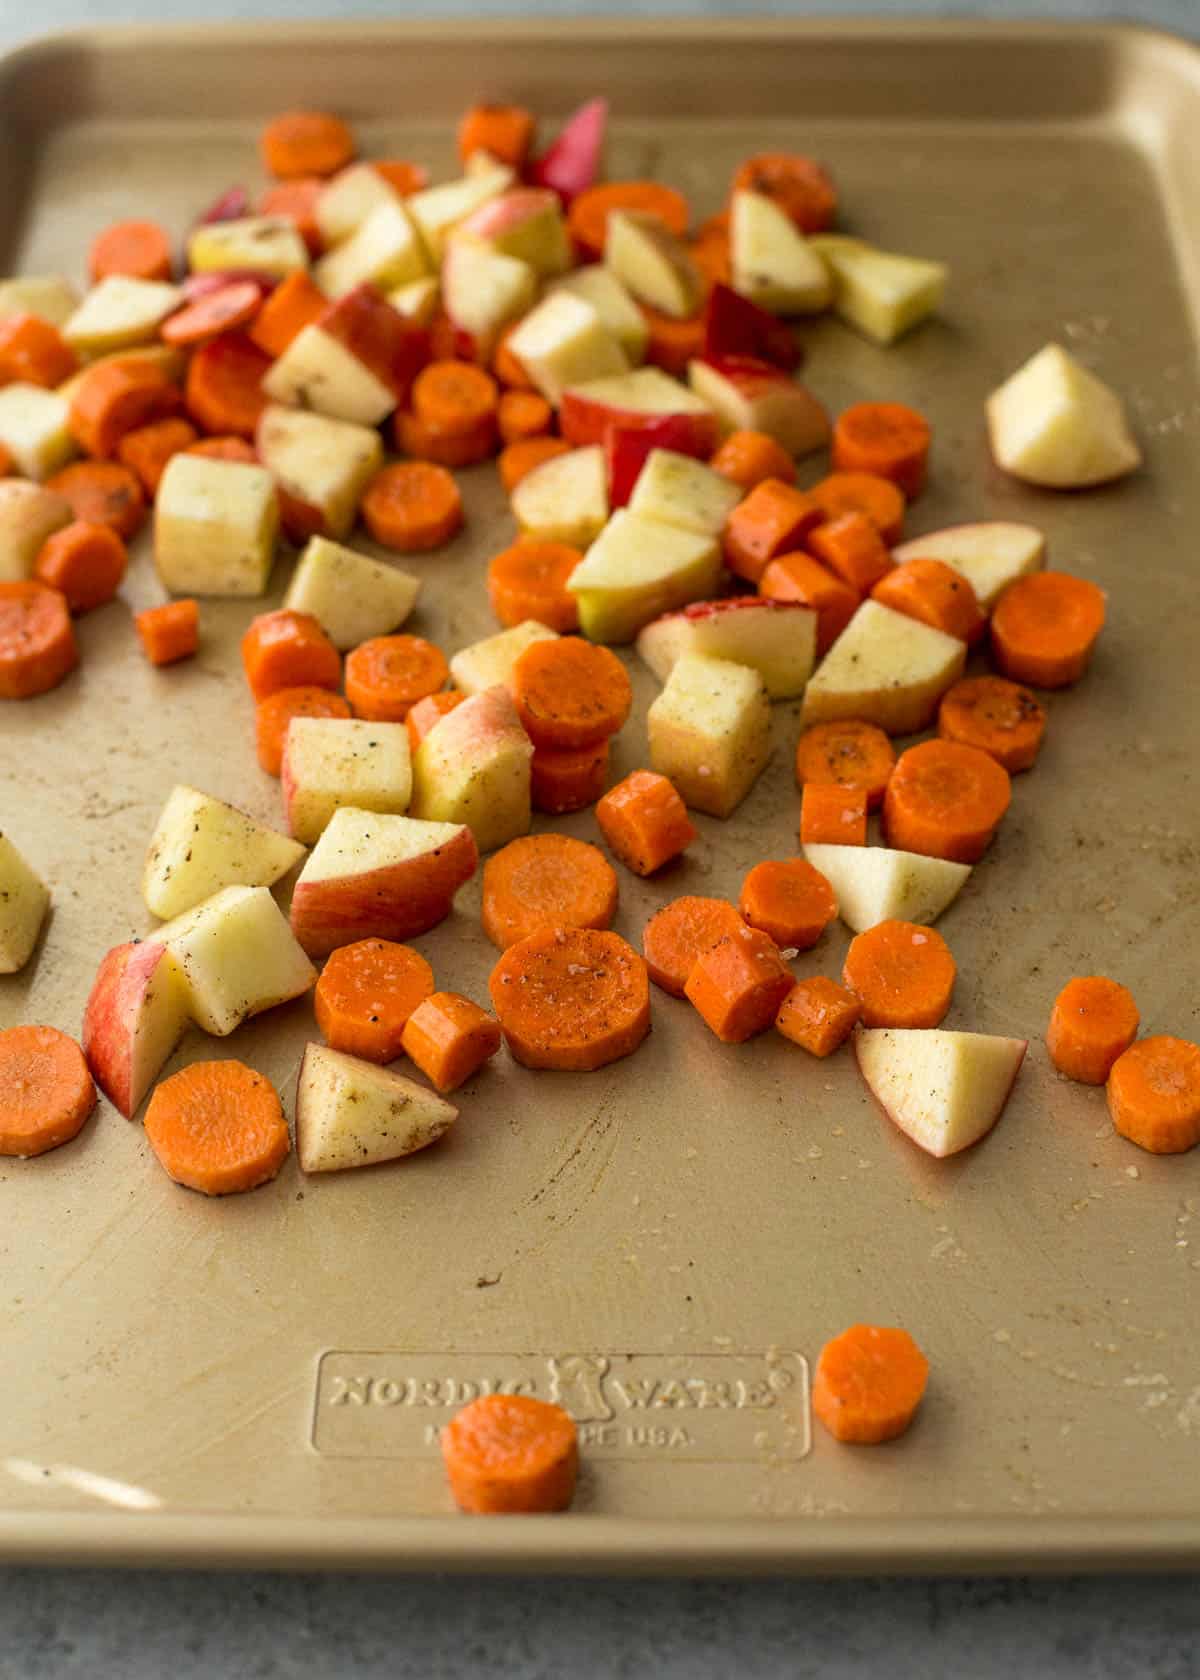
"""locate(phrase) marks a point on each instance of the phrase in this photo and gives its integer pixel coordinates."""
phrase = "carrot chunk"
(102, 493)
(672, 343)
(682, 931)
(645, 822)
(848, 752)
(114, 398)
(37, 643)
(1044, 628)
(169, 633)
(527, 453)
(818, 1015)
(225, 449)
(273, 714)
(1094, 1020)
(832, 814)
(772, 519)
(790, 900)
(286, 649)
(412, 506)
(455, 397)
(402, 176)
(868, 1384)
(902, 974)
(305, 143)
(799, 185)
(945, 800)
(140, 250)
(567, 781)
(223, 389)
(147, 451)
(1154, 1095)
(295, 303)
(571, 998)
(388, 674)
(217, 1127)
(888, 439)
(935, 594)
(443, 447)
(996, 716)
(749, 457)
(505, 132)
(523, 414)
(34, 352)
(529, 580)
(510, 1453)
(570, 693)
(853, 550)
(85, 562)
(876, 498)
(46, 1091)
(738, 985)
(546, 881)
(587, 217)
(798, 577)
(365, 995)
(297, 200)
(450, 1038)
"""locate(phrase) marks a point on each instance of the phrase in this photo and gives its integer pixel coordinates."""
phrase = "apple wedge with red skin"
(644, 397)
(572, 163)
(775, 638)
(627, 446)
(733, 326)
(387, 344)
(136, 1014)
(748, 394)
(944, 1090)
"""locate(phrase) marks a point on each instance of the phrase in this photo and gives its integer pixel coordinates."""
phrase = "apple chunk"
(1056, 424)
(24, 900)
(268, 244)
(647, 395)
(385, 250)
(638, 568)
(237, 957)
(565, 499)
(945, 1090)
(773, 264)
(34, 429)
(29, 513)
(876, 884)
(346, 201)
(351, 1113)
(652, 263)
(710, 732)
(473, 767)
(682, 491)
(437, 211)
(990, 555)
(482, 290)
(200, 845)
(352, 597)
(330, 762)
(484, 664)
(136, 1014)
(379, 876)
(321, 463)
(120, 312)
(885, 668)
(748, 395)
(775, 638)
(526, 223)
(356, 362)
(564, 342)
(48, 296)
(618, 313)
(215, 525)
(881, 293)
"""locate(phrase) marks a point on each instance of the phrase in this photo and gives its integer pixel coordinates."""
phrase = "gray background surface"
(139, 1626)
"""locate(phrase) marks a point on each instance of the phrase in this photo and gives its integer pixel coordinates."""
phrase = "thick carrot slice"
(147, 451)
(114, 398)
(450, 1038)
(224, 449)
(37, 643)
(1094, 1020)
(34, 352)
(523, 414)
(102, 493)
(818, 1015)
(217, 1127)
(790, 900)
(223, 390)
(680, 932)
(453, 396)
(933, 593)
(570, 693)
(868, 1384)
(852, 549)
(403, 177)
(510, 1453)
(671, 344)
(858, 492)
(505, 132)
(849, 752)
(1044, 628)
(750, 457)
(521, 457)
(293, 305)
(46, 1091)
(85, 562)
(888, 439)
(300, 143)
(412, 506)
(169, 633)
(529, 580)
(832, 814)
(1154, 1095)
(546, 881)
(286, 649)
(297, 200)
(798, 577)
(738, 985)
(424, 713)
(567, 781)
(216, 312)
(587, 217)
(507, 366)
(443, 447)
(272, 716)
(388, 674)
(998, 717)
(644, 822)
(945, 800)
(448, 342)
(141, 250)
(773, 519)
(799, 185)
(712, 253)
(365, 995)
(6, 461)
(571, 998)
(902, 974)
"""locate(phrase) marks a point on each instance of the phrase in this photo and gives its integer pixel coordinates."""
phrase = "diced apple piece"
(773, 264)
(437, 211)
(170, 362)
(137, 1011)
(28, 515)
(734, 326)
(881, 293)
(565, 499)
(352, 597)
(619, 314)
(348, 199)
(886, 668)
(418, 301)
(323, 463)
(638, 568)
(1056, 424)
(200, 845)
(237, 957)
(351, 1113)
(24, 900)
(473, 767)
(526, 223)
(481, 666)
(267, 244)
(990, 555)
(356, 363)
(652, 263)
(749, 395)
(682, 491)
(710, 732)
(563, 342)
(48, 296)
(34, 429)
(777, 639)
(645, 395)
(628, 447)
(385, 250)
(945, 1090)
(572, 162)
(876, 884)
(379, 876)
(215, 525)
(120, 312)
(331, 762)
(483, 290)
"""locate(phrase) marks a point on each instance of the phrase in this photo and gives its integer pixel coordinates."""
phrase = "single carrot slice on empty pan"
(902, 974)
(46, 1091)
(818, 1015)
(546, 880)
(170, 632)
(571, 998)
(868, 1384)
(510, 1453)
(1044, 628)
(217, 1127)
(1094, 1020)
(1154, 1094)
(306, 143)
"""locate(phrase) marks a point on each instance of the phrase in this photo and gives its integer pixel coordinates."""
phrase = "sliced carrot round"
(749, 457)
(147, 450)
(217, 1127)
(402, 176)
(529, 580)
(935, 594)
(37, 643)
(858, 492)
(587, 216)
(902, 974)
(523, 414)
(454, 396)
(272, 716)
(998, 717)
(365, 995)
(1154, 1094)
(567, 781)
(504, 132)
(791, 900)
(140, 250)
(570, 693)
(46, 1091)
(85, 561)
(945, 800)
(388, 674)
(1094, 1020)
(672, 343)
(444, 447)
(680, 932)
(546, 880)
(571, 998)
(115, 398)
(223, 390)
(102, 493)
(868, 1384)
(306, 143)
(527, 453)
(848, 752)
(799, 185)
(412, 506)
(888, 439)
(224, 449)
(218, 312)
(511, 1453)
(1044, 628)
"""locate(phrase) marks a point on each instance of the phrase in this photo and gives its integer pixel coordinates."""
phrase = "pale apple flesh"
(944, 1090)
(638, 568)
(885, 668)
(526, 223)
(775, 638)
(751, 395)
(564, 342)
(331, 762)
(878, 884)
(652, 263)
(351, 1113)
(323, 462)
(881, 293)
(136, 1014)
(483, 289)
(352, 597)
(773, 264)
(473, 767)
(710, 732)
(200, 844)
(565, 499)
(1054, 423)
(24, 901)
(679, 490)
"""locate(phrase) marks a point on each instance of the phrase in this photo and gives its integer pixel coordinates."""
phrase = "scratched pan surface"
(665, 1244)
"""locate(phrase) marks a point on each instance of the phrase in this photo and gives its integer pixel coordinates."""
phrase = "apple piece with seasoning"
(773, 264)
(881, 293)
(437, 211)
(267, 244)
(944, 1090)
(385, 250)
(710, 732)
(331, 762)
(619, 314)
(748, 395)
(351, 1113)
(355, 363)
(565, 499)
(638, 568)
(24, 900)
(323, 466)
(352, 597)
(884, 668)
(346, 201)
(29, 513)
(201, 844)
(473, 767)
(121, 311)
(484, 664)
(563, 342)
(652, 263)
(878, 884)
(136, 1013)
(526, 223)
(483, 290)
(775, 638)
(1054, 423)
(645, 396)
(679, 490)
(215, 526)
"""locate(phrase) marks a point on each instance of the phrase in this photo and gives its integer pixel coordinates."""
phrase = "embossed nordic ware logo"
(691, 1407)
